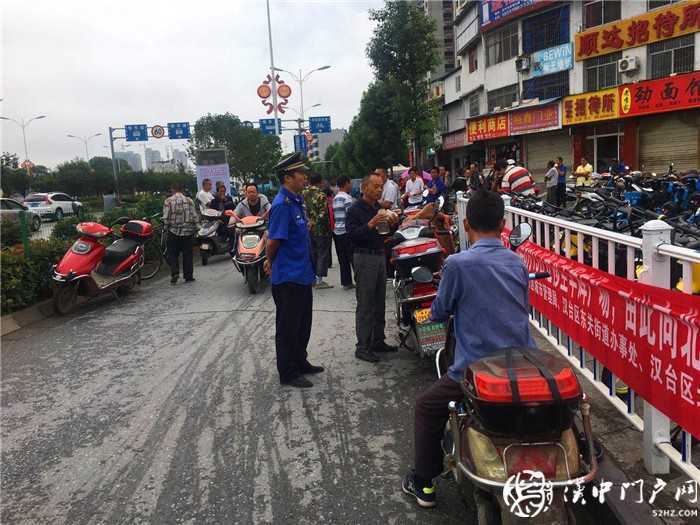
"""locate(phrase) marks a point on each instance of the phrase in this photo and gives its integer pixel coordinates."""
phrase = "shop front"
(457, 152)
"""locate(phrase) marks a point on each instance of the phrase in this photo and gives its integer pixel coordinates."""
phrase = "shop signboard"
(675, 20)
(590, 107)
(541, 118)
(499, 11)
(660, 95)
(552, 60)
(490, 127)
(454, 140)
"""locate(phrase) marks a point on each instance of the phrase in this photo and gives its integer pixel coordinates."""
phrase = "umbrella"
(426, 176)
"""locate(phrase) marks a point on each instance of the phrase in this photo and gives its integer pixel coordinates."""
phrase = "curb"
(12, 322)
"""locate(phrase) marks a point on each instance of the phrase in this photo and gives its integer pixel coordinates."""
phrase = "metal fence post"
(24, 231)
(655, 272)
(509, 217)
(460, 221)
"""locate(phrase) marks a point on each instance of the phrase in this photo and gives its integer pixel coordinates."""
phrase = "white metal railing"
(657, 252)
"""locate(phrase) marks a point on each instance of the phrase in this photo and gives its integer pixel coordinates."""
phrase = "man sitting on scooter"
(253, 204)
(485, 288)
(223, 202)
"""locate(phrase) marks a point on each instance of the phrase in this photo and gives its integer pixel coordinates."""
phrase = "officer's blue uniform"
(292, 277)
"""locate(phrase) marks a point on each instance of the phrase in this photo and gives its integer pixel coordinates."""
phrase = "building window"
(597, 12)
(458, 83)
(473, 59)
(601, 72)
(653, 4)
(548, 86)
(546, 30)
(502, 98)
(502, 44)
(474, 104)
(671, 56)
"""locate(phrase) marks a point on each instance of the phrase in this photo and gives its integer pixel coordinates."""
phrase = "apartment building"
(608, 80)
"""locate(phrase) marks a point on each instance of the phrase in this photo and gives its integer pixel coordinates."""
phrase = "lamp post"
(85, 140)
(23, 124)
(301, 78)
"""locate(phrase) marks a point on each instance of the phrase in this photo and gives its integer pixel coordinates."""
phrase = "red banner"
(485, 128)
(663, 94)
(454, 140)
(535, 119)
(646, 336)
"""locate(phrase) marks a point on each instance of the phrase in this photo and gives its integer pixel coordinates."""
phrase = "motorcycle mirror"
(519, 235)
(422, 274)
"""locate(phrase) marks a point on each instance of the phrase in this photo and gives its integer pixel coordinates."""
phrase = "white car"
(51, 204)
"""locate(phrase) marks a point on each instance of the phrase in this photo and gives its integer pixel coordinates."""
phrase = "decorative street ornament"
(284, 91)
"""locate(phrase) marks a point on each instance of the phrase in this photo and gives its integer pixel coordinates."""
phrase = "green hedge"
(26, 280)
(10, 233)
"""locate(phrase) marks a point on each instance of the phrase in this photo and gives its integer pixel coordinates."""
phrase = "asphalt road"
(165, 407)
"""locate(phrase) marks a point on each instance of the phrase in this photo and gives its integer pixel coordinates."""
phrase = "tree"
(402, 51)
(250, 154)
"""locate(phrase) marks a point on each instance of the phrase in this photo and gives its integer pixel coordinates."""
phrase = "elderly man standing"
(370, 270)
(289, 263)
(320, 225)
(390, 191)
(180, 223)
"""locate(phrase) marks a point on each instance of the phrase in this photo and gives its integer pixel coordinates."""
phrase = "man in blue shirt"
(292, 274)
(561, 182)
(436, 187)
(486, 290)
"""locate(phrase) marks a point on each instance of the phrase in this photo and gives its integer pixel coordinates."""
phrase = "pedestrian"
(583, 173)
(330, 193)
(390, 191)
(476, 179)
(517, 179)
(436, 187)
(320, 227)
(551, 181)
(291, 274)
(205, 196)
(561, 182)
(370, 269)
(180, 223)
(343, 246)
(414, 187)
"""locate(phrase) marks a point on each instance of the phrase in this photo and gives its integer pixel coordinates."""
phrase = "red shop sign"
(663, 94)
(487, 128)
(534, 119)
(454, 140)
(649, 337)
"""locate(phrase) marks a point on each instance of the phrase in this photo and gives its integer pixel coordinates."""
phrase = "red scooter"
(89, 268)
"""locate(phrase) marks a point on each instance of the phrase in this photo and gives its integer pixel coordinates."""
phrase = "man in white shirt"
(390, 191)
(204, 196)
(414, 187)
(343, 246)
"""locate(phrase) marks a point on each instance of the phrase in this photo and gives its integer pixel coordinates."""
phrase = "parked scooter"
(89, 268)
(211, 241)
(250, 255)
(516, 422)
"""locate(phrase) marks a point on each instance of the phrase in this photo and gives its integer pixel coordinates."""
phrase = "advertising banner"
(485, 128)
(215, 173)
(552, 60)
(658, 96)
(454, 140)
(677, 19)
(496, 11)
(541, 118)
(647, 336)
(590, 107)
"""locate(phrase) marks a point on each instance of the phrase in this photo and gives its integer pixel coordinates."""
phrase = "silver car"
(10, 209)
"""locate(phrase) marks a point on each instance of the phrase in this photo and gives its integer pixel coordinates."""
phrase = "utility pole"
(114, 163)
(23, 124)
(272, 68)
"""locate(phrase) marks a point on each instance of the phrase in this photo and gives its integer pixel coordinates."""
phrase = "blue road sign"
(136, 132)
(267, 126)
(300, 143)
(320, 124)
(178, 130)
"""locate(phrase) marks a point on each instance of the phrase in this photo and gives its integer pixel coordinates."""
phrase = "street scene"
(379, 261)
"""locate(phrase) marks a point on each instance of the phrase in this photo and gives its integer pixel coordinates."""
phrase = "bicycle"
(155, 250)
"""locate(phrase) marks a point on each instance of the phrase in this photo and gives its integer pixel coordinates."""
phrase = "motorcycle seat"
(115, 254)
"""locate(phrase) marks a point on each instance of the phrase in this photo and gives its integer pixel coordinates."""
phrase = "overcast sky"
(88, 65)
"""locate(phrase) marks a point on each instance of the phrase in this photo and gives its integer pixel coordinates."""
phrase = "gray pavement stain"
(165, 407)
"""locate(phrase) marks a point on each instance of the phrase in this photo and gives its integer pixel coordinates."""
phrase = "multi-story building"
(180, 158)
(442, 12)
(133, 159)
(612, 81)
(152, 157)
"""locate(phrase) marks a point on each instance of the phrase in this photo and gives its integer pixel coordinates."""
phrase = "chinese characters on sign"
(590, 107)
(657, 96)
(487, 128)
(552, 60)
(677, 19)
(536, 119)
(501, 10)
(454, 140)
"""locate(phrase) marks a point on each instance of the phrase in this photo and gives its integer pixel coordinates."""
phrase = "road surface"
(165, 407)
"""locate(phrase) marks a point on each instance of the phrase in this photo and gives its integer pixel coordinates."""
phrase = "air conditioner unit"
(522, 64)
(627, 65)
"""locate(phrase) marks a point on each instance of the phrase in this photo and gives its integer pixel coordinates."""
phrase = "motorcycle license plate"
(431, 337)
(422, 316)
(204, 246)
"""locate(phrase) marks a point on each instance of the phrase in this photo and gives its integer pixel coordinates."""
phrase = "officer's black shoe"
(367, 355)
(312, 369)
(173, 279)
(299, 382)
(383, 347)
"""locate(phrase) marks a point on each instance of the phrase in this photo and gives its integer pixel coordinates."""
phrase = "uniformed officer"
(289, 263)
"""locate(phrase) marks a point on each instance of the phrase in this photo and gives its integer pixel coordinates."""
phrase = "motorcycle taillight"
(539, 458)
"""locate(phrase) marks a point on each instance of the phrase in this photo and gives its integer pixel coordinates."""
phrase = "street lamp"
(301, 79)
(23, 124)
(85, 140)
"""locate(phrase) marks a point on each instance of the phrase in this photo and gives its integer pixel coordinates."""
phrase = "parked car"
(10, 208)
(52, 204)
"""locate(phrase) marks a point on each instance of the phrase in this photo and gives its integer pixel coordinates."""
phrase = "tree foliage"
(250, 154)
